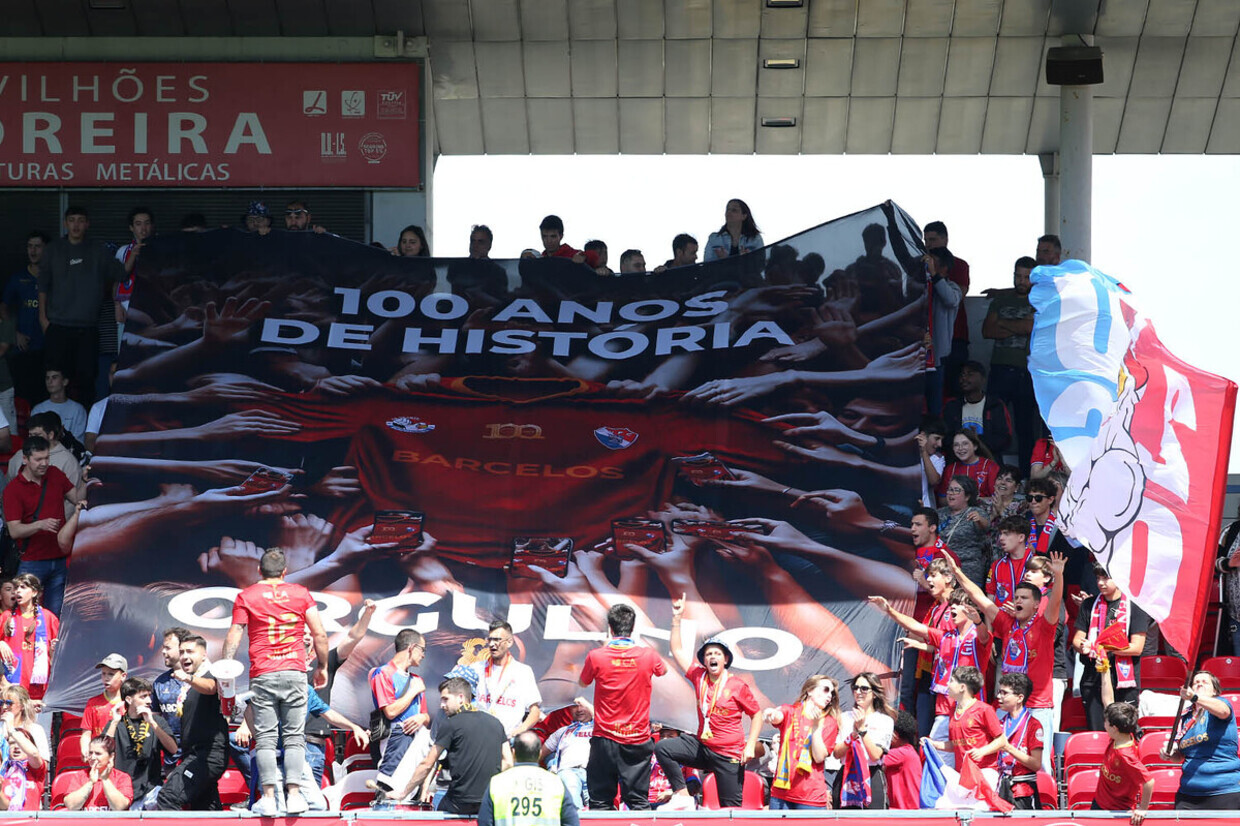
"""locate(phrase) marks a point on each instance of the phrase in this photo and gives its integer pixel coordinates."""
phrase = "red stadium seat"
(357, 800)
(1227, 669)
(1073, 715)
(1082, 788)
(233, 788)
(1084, 750)
(62, 785)
(1150, 747)
(1166, 784)
(356, 758)
(751, 794)
(70, 721)
(69, 754)
(1163, 673)
(1048, 794)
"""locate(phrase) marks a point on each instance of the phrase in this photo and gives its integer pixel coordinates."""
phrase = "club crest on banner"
(615, 438)
(410, 424)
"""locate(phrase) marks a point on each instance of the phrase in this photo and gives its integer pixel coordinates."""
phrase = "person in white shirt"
(930, 443)
(506, 687)
(72, 415)
(570, 746)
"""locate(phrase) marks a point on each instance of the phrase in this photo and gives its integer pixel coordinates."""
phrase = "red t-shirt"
(809, 787)
(1121, 778)
(97, 801)
(275, 614)
(954, 652)
(1025, 735)
(566, 251)
(975, 726)
(622, 672)
(1005, 574)
(733, 699)
(1044, 454)
(97, 715)
(562, 460)
(902, 766)
(1036, 658)
(22, 642)
(983, 471)
(938, 616)
(20, 498)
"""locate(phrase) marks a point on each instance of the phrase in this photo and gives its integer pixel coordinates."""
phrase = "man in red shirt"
(620, 749)
(719, 747)
(34, 512)
(277, 613)
(1028, 639)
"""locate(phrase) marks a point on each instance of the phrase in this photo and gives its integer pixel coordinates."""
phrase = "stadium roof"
(688, 76)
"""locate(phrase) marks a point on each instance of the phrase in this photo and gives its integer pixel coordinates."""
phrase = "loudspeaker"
(1074, 66)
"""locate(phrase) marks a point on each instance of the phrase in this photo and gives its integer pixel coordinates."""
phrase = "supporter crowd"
(1015, 640)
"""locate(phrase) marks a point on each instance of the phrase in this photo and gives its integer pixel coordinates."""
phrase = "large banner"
(463, 440)
(1147, 437)
(210, 124)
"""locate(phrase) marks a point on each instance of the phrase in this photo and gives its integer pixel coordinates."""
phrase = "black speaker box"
(1074, 66)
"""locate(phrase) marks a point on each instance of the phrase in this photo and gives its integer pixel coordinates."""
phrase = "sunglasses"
(1038, 497)
(861, 689)
(296, 212)
(8, 702)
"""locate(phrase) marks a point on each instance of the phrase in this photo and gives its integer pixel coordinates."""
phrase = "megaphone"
(226, 673)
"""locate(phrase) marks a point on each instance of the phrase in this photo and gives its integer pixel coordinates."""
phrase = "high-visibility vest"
(526, 795)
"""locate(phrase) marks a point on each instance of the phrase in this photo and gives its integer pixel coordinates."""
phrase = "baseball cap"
(114, 661)
(258, 208)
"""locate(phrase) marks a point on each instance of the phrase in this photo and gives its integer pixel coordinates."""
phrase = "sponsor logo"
(353, 103)
(332, 146)
(391, 104)
(491, 468)
(372, 146)
(512, 431)
(410, 424)
(314, 102)
(615, 438)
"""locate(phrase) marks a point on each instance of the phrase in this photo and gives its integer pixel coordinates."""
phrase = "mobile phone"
(701, 468)
(706, 529)
(402, 527)
(648, 533)
(551, 553)
(264, 480)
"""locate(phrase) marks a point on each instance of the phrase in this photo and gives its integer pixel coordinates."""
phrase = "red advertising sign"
(210, 124)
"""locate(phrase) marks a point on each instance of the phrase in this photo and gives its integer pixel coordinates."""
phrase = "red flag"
(971, 778)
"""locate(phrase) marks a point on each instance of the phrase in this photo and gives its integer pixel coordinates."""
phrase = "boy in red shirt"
(902, 765)
(967, 643)
(1021, 757)
(1124, 783)
(621, 747)
(1008, 571)
(98, 713)
(974, 732)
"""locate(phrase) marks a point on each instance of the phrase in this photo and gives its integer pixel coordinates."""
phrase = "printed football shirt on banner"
(561, 460)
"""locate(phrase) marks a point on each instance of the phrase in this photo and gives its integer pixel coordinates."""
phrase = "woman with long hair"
(102, 787)
(412, 243)
(972, 459)
(17, 710)
(28, 636)
(738, 235)
(869, 724)
(807, 733)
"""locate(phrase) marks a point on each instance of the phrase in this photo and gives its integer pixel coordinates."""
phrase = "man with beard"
(204, 737)
(1009, 323)
(169, 692)
(722, 699)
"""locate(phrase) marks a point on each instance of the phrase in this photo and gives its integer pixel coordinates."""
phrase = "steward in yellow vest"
(527, 795)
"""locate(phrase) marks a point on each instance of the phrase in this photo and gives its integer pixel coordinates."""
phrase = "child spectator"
(903, 765)
(1124, 783)
(99, 709)
(23, 774)
(1021, 756)
(28, 636)
(974, 731)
